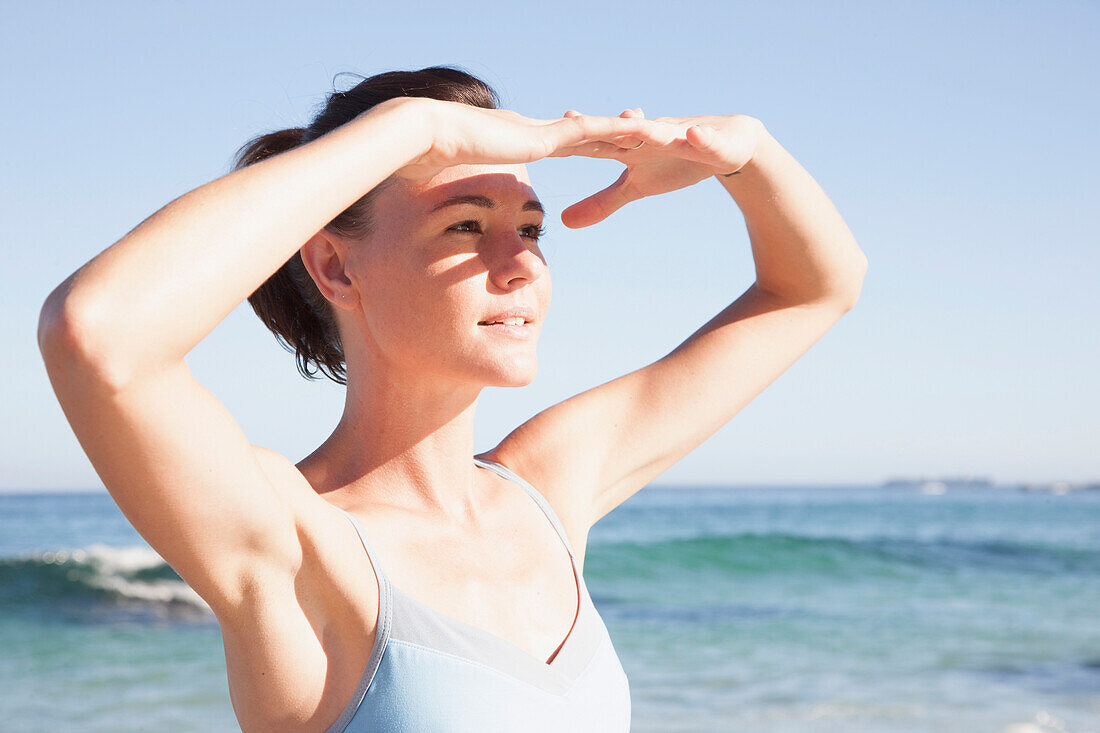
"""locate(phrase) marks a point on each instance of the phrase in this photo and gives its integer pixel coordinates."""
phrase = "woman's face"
(444, 258)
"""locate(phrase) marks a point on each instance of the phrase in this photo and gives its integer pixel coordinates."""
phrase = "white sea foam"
(112, 570)
(1043, 722)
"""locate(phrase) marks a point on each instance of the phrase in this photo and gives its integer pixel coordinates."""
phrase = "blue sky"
(958, 140)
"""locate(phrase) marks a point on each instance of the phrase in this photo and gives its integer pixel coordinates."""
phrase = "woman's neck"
(405, 442)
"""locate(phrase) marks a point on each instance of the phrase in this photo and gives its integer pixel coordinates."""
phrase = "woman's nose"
(515, 263)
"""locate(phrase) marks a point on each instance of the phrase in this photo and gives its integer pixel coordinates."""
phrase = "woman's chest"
(513, 579)
(310, 642)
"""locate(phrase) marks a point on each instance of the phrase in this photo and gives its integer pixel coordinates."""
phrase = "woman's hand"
(672, 153)
(461, 134)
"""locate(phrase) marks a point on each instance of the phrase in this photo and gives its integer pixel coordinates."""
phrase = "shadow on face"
(488, 211)
(443, 256)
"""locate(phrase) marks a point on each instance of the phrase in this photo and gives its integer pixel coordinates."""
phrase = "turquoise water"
(776, 609)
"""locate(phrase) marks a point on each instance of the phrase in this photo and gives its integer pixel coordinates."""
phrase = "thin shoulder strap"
(383, 580)
(381, 634)
(366, 546)
(538, 497)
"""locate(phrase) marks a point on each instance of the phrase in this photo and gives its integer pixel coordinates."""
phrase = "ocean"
(742, 609)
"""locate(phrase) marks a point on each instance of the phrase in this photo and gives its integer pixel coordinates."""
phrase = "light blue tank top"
(431, 672)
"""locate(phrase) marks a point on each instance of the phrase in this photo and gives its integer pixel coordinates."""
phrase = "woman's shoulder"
(288, 480)
(332, 556)
(316, 516)
(566, 495)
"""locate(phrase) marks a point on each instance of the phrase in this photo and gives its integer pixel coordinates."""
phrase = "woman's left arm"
(593, 451)
(803, 250)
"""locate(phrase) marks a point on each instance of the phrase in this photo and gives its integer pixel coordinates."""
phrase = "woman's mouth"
(512, 327)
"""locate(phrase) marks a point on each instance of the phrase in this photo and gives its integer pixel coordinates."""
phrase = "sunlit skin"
(423, 280)
(409, 296)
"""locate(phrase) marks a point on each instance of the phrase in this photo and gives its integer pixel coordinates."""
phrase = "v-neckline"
(561, 649)
(531, 659)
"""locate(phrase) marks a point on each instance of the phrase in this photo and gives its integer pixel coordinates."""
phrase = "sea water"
(739, 609)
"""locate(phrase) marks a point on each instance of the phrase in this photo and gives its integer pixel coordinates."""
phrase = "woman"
(393, 244)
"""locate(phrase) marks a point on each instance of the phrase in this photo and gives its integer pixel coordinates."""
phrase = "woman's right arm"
(114, 335)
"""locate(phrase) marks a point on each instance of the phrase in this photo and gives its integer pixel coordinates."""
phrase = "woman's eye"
(533, 231)
(460, 227)
(536, 231)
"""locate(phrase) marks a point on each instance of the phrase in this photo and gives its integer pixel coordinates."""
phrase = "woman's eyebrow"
(484, 202)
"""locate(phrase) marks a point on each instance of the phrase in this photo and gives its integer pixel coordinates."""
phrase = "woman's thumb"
(598, 206)
(700, 136)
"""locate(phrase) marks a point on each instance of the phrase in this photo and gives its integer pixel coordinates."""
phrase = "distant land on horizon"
(940, 484)
(924, 484)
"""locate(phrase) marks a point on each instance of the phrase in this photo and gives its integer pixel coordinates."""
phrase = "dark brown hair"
(288, 302)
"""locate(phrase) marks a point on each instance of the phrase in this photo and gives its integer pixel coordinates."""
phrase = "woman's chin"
(515, 381)
(516, 376)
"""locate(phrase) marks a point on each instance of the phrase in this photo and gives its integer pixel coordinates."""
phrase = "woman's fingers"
(600, 205)
(589, 120)
(635, 113)
(617, 137)
(659, 139)
(631, 143)
(577, 129)
(599, 149)
(630, 129)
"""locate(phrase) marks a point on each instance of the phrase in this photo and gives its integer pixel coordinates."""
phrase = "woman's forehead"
(505, 185)
(495, 173)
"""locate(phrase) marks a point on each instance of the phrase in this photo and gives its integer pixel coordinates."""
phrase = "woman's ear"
(325, 256)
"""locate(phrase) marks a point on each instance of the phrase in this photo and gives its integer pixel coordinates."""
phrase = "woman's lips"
(525, 331)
